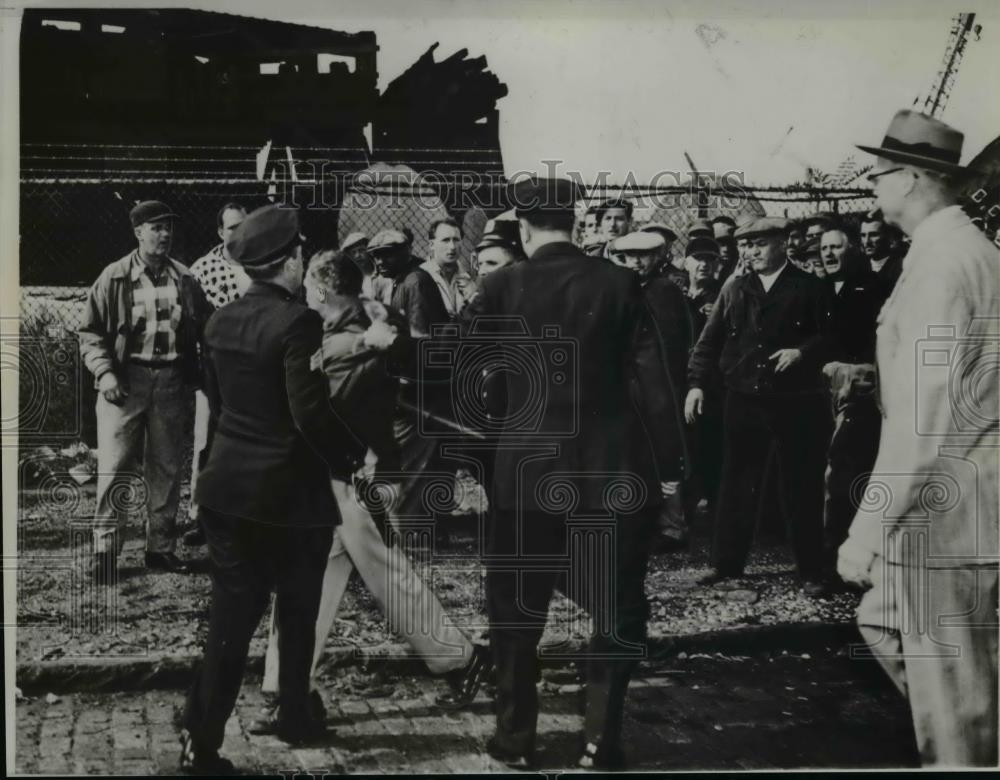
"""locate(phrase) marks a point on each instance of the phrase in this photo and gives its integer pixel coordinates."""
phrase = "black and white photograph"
(500, 386)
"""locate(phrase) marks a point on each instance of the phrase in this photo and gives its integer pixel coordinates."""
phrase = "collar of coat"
(557, 249)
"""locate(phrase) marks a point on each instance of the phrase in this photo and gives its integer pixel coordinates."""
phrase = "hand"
(854, 563)
(380, 335)
(693, 404)
(668, 489)
(113, 392)
(786, 358)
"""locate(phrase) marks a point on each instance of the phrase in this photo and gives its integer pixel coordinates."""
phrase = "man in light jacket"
(925, 539)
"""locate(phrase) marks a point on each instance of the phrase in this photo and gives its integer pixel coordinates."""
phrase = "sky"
(627, 87)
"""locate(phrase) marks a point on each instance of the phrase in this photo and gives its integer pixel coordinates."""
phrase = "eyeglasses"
(874, 177)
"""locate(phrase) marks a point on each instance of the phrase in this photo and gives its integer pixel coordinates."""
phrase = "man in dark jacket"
(642, 252)
(876, 243)
(267, 507)
(768, 334)
(415, 295)
(858, 296)
(581, 461)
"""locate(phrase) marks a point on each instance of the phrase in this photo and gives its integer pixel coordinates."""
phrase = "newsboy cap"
(825, 218)
(811, 247)
(353, 239)
(534, 194)
(388, 238)
(761, 226)
(700, 245)
(724, 218)
(639, 241)
(661, 228)
(700, 228)
(150, 211)
(266, 235)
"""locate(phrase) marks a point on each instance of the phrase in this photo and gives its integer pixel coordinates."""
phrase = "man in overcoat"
(580, 467)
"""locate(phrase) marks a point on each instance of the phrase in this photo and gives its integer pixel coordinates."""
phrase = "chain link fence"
(72, 227)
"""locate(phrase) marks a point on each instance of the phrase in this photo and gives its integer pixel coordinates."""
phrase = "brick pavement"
(704, 712)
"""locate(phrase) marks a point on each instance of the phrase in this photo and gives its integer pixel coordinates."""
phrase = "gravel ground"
(59, 616)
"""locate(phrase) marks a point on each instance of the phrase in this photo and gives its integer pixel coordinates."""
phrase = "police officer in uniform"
(266, 502)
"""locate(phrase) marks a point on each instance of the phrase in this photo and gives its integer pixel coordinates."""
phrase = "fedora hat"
(917, 139)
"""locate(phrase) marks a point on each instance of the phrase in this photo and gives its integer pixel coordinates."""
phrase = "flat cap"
(761, 226)
(725, 218)
(700, 245)
(811, 247)
(501, 231)
(150, 211)
(700, 228)
(353, 239)
(388, 238)
(822, 218)
(264, 236)
(531, 195)
(639, 241)
(661, 228)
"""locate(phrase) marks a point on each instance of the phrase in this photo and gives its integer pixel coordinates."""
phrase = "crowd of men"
(702, 374)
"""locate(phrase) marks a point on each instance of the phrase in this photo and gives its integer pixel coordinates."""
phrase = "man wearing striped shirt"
(140, 339)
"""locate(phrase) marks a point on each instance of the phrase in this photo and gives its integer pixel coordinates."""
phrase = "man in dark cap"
(723, 226)
(817, 224)
(411, 291)
(767, 334)
(141, 337)
(266, 502)
(499, 246)
(604, 431)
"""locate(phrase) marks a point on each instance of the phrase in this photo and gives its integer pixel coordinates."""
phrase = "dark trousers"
(853, 449)
(797, 430)
(708, 447)
(249, 560)
(601, 565)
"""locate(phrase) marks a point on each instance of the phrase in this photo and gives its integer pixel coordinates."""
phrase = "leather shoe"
(271, 723)
(202, 762)
(194, 537)
(464, 683)
(714, 576)
(166, 562)
(509, 757)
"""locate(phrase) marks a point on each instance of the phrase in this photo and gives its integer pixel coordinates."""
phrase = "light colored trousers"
(934, 631)
(201, 415)
(411, 608)
(144, 437)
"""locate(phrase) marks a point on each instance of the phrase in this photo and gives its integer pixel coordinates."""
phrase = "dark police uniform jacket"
(277, 439)
(590, 405)
(747, 325)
